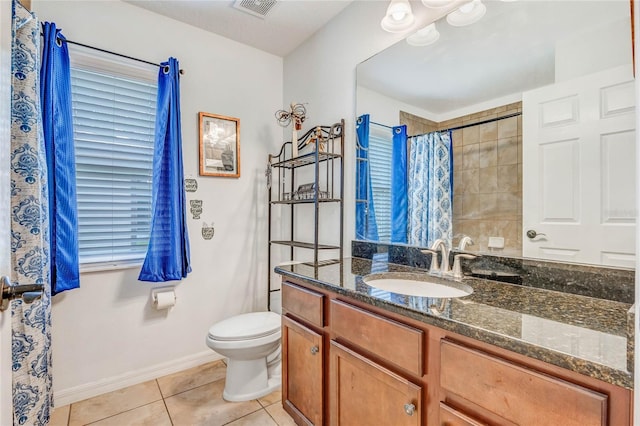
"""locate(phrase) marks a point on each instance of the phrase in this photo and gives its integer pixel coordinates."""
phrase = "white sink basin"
(413, 284)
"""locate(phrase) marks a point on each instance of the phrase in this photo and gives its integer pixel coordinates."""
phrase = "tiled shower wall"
(487, 181)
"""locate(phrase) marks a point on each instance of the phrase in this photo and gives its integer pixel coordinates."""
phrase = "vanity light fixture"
(467, 14)
(399, 17)
(436, 3)
(424, 36)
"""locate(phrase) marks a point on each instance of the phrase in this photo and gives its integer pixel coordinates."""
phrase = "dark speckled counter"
(580, 333)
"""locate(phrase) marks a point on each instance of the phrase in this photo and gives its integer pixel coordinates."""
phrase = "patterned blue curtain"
(168, 252)
(31, 324)
(399, 185)
(55, 96)
(430, 189)
(366, 225)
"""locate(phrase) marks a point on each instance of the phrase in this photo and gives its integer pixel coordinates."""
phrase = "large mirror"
(538, 97)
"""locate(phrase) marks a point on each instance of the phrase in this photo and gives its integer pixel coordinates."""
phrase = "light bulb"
(466, 8)
(398, 16)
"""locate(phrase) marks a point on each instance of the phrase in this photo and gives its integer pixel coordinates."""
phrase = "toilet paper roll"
(165, 300)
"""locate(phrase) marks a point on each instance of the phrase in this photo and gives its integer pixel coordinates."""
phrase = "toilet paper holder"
(161, 290)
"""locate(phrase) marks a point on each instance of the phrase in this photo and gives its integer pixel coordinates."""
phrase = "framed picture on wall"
(219, 145)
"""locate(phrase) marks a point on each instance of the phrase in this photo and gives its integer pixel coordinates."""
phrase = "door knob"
(27, 292)
(314, 350)
(531, 233)
(409, 409)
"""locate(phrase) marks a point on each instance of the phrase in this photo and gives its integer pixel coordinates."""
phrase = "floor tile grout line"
(190, 389)
(164, 402)
(273, 418)
(121, 412)
(242, 417)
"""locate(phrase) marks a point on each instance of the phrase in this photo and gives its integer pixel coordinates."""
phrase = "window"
(380, 154)
(113, 121)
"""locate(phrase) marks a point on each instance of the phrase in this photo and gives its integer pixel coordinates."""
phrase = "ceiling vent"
(258, 8)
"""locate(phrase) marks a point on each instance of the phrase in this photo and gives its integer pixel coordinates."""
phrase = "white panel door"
(578, 179)
(6, 410)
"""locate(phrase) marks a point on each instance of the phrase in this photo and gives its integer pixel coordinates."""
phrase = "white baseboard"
(89, 390)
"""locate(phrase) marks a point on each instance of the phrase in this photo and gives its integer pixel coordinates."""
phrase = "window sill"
(109, 266)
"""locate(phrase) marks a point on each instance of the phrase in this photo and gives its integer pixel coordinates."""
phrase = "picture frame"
(219, 145)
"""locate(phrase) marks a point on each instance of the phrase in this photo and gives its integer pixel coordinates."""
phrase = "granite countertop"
(580, 333)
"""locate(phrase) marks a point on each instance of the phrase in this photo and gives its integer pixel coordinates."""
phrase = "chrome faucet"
(444, 252)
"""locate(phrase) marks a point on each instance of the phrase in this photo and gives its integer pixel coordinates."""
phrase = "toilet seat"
(249, 326)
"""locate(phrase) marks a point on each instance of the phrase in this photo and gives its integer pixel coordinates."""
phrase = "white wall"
(105, 334)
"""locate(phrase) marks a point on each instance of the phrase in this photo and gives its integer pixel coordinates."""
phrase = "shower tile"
(60, 416)
(458, 201)
(154, 414)
(470, 135)
(272, 398)
(281, 417)
(109, 404)
(507, 151)
(508, 127)
(192, 378)
(488, 154)
(489, 132)
(488, 180)
(470, 156)
(204, 406)
(470, 206)
(259, 418)
(508, 178)
(469, 181)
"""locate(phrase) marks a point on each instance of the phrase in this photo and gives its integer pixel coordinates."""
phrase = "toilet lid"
(246, 326)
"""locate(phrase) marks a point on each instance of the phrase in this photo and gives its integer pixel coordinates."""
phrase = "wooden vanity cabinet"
(375, 367)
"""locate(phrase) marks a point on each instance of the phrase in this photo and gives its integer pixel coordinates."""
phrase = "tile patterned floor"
(189, 398)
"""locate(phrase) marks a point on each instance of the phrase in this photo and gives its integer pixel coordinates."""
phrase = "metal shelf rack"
(320, 148)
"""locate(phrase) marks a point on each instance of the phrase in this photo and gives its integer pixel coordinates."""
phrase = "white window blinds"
(113, 120)
(380, 155)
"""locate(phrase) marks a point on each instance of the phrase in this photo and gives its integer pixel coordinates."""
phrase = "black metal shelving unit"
(327, 159)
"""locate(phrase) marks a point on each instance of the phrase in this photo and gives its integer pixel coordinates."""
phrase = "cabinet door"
(302, 371)
(365, 393)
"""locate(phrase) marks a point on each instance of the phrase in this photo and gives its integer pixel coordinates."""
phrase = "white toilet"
(251, 342)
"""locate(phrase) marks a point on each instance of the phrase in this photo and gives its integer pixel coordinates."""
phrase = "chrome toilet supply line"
(27, 292)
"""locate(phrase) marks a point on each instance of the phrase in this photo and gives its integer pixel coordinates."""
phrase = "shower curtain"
(366, 225)
(31, 324)
(430, 189)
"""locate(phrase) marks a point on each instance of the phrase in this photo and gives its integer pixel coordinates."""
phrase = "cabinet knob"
(314, 350)
(409, 409)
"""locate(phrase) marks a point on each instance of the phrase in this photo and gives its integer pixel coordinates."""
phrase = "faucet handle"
(434, 260)
(457, 266)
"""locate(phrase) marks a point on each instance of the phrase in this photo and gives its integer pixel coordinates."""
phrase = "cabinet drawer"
(515, 393)
(392, 341)
(303, 303)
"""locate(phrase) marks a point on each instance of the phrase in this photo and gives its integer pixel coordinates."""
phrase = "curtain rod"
(383, 125)
(491, 120)
(112, 53)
